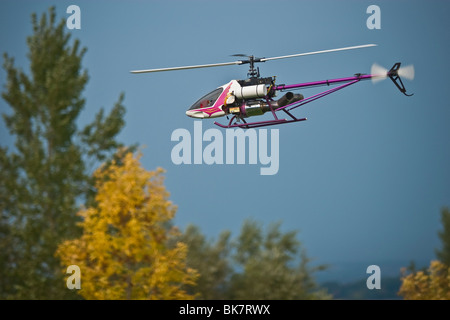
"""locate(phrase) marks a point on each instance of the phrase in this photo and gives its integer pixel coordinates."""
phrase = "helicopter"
(254, 96)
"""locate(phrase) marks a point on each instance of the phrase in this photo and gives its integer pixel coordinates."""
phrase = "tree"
(124, 251)
(47, 175)
(258, 264)
(434, 284)
(443, 254)
(211, 259)
(275, 266)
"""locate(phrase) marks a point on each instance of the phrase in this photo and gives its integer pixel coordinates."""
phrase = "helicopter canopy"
(207, 100)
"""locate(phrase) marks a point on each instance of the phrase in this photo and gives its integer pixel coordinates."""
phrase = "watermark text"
(230, 149)
(73, 281)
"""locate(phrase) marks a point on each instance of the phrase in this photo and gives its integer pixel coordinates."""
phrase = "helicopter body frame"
(242, 99)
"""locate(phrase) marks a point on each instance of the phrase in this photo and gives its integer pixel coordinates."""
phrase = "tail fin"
(395, 77)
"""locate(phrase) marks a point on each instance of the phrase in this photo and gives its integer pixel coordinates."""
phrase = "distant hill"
(357, 290)
(347, 280)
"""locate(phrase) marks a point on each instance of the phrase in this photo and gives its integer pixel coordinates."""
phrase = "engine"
(258, 107)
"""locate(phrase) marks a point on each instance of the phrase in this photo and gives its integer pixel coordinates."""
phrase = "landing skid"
(248, 125)
(258, 124)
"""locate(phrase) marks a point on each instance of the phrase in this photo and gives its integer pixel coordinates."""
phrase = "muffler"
(289, 98)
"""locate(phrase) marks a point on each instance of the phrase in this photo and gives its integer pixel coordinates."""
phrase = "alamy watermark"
(374, 20)
(192, 149)
(74, 20)
(374, 280)
(73, 281)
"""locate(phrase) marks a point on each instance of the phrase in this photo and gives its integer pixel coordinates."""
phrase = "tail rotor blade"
(378, 73)
(406, 72)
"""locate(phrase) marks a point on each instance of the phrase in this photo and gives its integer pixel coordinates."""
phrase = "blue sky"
(363, 180)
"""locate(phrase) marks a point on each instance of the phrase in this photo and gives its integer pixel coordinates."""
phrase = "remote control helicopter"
(254, 96)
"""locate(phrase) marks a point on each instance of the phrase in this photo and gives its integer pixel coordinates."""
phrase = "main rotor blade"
(317, 52)
(189, 67)
(239, 62)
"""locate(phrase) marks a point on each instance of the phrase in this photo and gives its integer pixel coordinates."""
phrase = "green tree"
(443, 254)
(274, 266)
(212, 261)
(257, 264)
(48, 173)
(124, 251)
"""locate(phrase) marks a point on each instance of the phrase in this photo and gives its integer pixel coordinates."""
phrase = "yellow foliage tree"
(434, 284)
(124, 251)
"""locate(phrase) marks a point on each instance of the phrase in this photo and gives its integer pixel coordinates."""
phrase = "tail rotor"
(395, 73)
(407, 72)
(378, 73)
